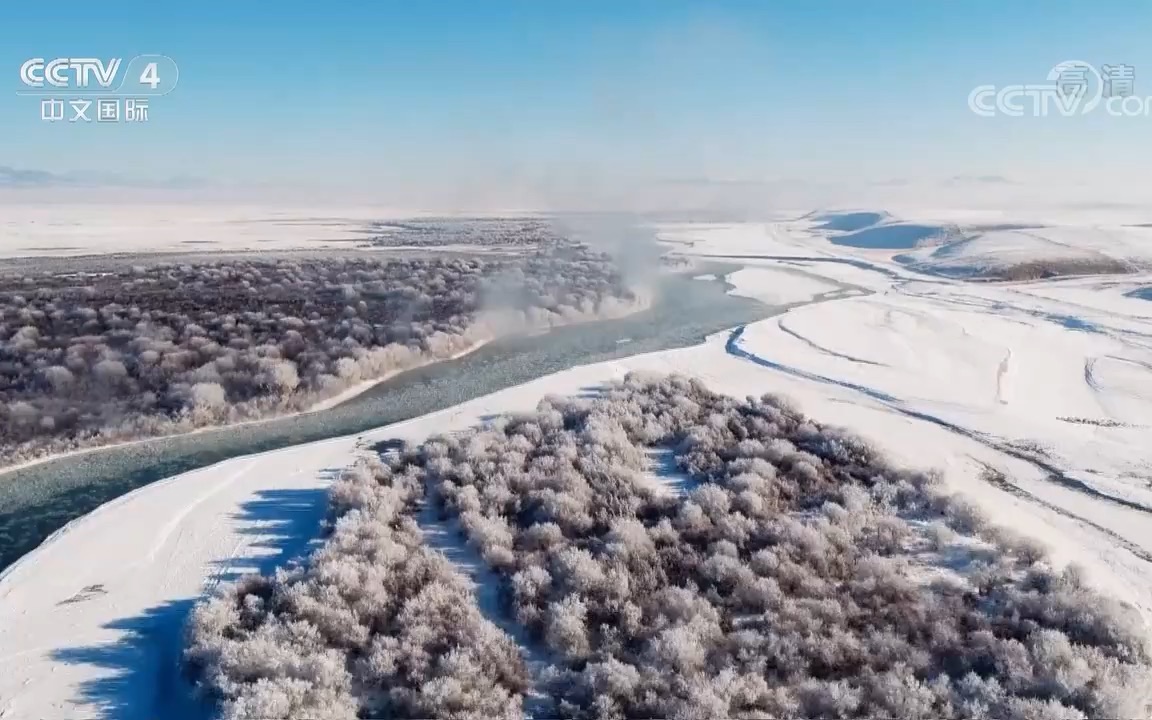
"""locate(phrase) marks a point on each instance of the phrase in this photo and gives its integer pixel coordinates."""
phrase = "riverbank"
(327, 404)
(618, 310)
(37, 500)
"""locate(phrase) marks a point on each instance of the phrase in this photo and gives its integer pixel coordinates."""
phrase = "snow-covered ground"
(61, 229)
(776, 286)
(950, 244)
(945, 244)
(1082, 250)
(87, 229)
(1033, 398)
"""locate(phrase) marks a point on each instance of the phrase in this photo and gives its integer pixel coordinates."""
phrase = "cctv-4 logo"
(143, 75)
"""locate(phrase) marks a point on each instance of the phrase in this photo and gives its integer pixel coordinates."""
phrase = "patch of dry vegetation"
(472, 232)
(1054, 268)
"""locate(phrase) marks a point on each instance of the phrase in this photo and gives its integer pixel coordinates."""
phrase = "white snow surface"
(773, 286)
(983, 251)
(88, 229)
(1049, 382)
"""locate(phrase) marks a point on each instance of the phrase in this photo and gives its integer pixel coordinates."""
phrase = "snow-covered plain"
(1033, 398)
(87, 229)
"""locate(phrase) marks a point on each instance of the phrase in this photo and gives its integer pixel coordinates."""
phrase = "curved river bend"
(38, 500)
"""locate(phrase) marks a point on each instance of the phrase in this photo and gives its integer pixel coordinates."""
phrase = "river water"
(38, 500)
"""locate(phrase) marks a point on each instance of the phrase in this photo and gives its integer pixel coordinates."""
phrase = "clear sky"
(389, 94)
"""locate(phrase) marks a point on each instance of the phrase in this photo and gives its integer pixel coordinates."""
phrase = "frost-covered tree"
(113, 352)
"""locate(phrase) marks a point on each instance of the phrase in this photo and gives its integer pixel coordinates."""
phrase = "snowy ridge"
(961, 248)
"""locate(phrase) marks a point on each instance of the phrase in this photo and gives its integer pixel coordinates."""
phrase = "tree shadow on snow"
(588, 392)
(390, 445)
(141, 675)
(593, 392)
(287, 522)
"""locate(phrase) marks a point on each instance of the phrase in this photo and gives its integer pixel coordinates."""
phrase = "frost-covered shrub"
(802, 576)
(373, 623)
(796, 574)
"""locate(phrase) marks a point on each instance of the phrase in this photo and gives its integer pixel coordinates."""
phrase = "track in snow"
(820, 348)
(1053, 473)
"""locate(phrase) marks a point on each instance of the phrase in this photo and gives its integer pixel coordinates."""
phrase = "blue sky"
(388, 94)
